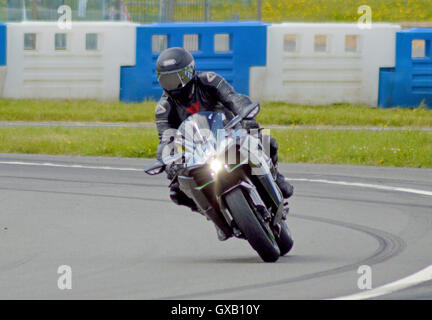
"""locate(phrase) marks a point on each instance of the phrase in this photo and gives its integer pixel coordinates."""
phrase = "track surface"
(124, 239)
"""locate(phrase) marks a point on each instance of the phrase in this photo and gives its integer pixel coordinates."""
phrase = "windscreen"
(199, 136)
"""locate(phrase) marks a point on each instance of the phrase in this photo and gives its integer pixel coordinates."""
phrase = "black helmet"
(175, 70)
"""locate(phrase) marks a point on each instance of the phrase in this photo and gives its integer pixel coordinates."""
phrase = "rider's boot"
(181, 199)
(222, 236)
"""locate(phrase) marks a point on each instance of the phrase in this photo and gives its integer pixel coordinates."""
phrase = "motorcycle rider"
(187, 91)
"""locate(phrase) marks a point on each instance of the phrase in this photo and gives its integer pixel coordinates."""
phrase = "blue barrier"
(247, 47)
(3, 44)
(409, 83)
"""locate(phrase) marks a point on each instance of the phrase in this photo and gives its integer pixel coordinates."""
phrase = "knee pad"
(175, 195)
(180, 198)
(274, 150)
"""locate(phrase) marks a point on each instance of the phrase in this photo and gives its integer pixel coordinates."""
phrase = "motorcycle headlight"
(216, 165)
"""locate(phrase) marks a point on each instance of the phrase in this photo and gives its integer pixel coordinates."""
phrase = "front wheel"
(257, 233)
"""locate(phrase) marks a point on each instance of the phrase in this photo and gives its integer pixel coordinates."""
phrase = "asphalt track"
(123, 238)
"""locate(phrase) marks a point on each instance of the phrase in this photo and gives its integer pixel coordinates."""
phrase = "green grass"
(283, 10)
(280, 113)
(404, 148)
(275, 113)
(300, 10)
(119, 142)
(345, 10)
(75, 110)
(383, 148)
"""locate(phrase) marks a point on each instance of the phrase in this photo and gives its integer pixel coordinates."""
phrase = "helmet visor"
(175, 79)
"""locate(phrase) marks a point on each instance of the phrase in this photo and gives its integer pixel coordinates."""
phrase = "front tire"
(258, 235)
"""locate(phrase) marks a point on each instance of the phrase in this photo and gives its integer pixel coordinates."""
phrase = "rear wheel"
(284, 239)
(257, 233)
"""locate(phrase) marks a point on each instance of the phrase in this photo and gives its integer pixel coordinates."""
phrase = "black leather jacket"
(211, 93)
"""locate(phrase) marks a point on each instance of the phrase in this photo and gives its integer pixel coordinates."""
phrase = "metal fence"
(194, 10)
(141, 11)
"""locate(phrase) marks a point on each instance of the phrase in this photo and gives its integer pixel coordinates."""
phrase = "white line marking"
(49, 164)
(366, 185)
(409, 281)
(412, 280)
(354, 184)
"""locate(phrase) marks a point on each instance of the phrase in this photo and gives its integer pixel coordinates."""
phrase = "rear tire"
(258, 235)
(284, 240)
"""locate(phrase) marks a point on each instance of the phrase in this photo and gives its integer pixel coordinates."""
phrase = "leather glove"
(172, 170)
(159, 151)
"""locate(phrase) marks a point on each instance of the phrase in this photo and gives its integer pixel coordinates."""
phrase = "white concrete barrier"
(322, 63)
(3, 71)
(47, 62)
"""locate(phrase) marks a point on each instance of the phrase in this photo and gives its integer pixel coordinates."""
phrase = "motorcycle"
(231, 178)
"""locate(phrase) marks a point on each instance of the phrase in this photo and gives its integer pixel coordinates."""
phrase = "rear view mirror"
(247, 113)
(155, 168)
(251, 111)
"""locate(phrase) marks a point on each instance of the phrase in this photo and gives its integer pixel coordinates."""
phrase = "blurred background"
(148, 11)
(307, 76)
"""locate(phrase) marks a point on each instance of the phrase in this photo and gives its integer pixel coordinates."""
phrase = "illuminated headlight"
(216, 165)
